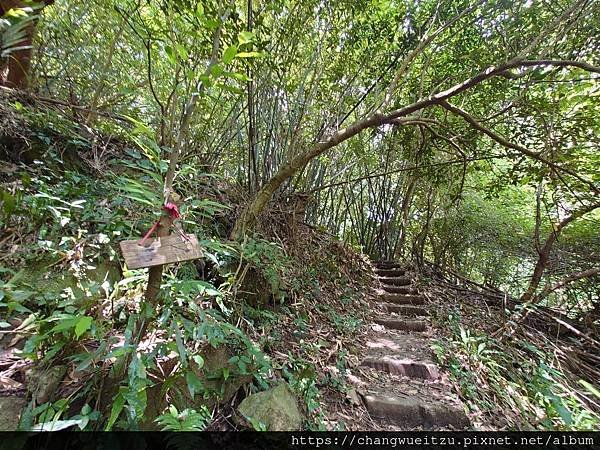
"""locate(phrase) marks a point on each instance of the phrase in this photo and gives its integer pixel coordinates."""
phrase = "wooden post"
(155, 273)
(153, 288)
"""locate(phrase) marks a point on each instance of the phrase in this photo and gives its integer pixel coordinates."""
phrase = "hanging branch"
(248, 217)
(550, 288)
(408, 169)
(506, 143)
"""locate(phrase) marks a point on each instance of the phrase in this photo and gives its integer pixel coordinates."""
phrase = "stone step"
(400, 289)
(395, 281)
(408, 367)
(402, 324)
(411, 412)
(390, 272)
(401, 299)
(388, 264)
(406, 310)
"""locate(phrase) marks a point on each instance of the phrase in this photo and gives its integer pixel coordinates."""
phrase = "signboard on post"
(158, 251)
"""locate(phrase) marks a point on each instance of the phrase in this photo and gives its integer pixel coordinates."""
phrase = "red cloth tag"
(172, 210)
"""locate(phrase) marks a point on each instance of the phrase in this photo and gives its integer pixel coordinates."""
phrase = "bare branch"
(506, 143)
(569, 279)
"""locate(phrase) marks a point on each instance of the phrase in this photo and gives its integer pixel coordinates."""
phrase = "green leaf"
(66, 323)
(211, 24)
(216, 70)
(237, 76)
(245, 37)
(115, 411)
(193, 383)
(249, 55)
(199, 360)
(8, 202)
(256, 424)
(181, 51)
(560, 408)
(56, 425)
(170, 55)
(83, 325)
(180, 347)
(233, 89)
(229, 53)
(590, 388)
(199, 10)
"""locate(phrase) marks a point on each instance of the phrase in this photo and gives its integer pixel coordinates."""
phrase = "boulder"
(276, 408)
(43, 383)
(10, 412)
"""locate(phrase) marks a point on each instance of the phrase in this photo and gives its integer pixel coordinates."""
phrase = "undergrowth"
(270, 307)
(512, 382)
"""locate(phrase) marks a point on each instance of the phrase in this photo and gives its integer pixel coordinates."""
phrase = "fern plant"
(14, 29)
(186, 420)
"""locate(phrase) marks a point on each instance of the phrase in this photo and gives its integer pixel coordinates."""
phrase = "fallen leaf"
(9, 383)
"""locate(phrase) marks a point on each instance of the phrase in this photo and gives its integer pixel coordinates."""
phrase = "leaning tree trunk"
(247, 218)
(544, 251)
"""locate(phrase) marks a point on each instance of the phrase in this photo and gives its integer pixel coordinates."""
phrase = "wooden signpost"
(159, 251)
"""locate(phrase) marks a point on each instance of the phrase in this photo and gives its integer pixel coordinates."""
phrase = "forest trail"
(407, 390)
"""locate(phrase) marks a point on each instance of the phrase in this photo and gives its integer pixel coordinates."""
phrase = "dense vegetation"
(298, 138)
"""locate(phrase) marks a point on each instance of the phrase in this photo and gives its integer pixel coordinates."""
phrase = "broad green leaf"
(237, 76)
(216, 70)
(193, 383)
(65, 323)
(199, 360)
(170, 55)
(115, 411)
(249, 55)
(57, 425)
(245, 37)
(229, 53)
(233, 89)
(180, 346)
(83, 325)
(181, 51)
(590, 388)
(560, 408)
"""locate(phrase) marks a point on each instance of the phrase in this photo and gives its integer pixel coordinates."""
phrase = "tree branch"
(506, 143)
(569, 279)
(289, 169)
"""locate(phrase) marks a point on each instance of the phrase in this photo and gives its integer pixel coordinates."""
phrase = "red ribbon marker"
(171, 209)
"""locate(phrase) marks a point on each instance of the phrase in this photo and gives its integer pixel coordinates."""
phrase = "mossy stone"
(276, 408)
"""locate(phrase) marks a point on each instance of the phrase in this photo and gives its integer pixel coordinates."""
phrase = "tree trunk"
(544, 251)
(19, 61)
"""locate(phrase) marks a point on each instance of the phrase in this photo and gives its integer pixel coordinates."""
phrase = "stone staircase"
(409, 391)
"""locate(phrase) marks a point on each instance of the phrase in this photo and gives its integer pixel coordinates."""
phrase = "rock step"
(403, 325)
(407, 367)
(400, 299)
(390, 272)
(411, 412)
(395, 281)
(399, 289)
(406, 310)
(388, 264)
